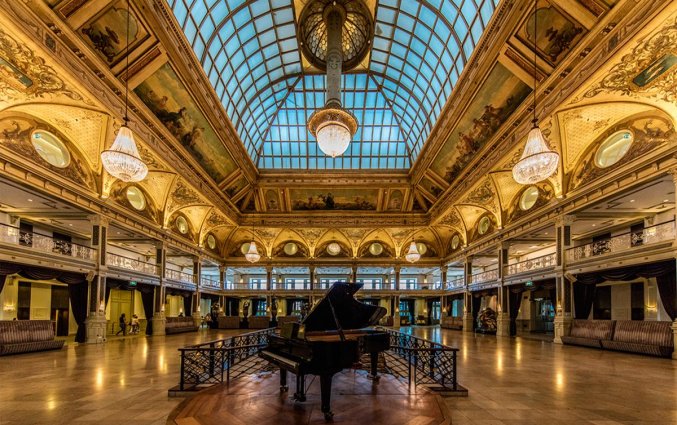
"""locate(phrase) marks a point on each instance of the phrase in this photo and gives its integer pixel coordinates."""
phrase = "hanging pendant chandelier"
(333, 126)
(538, 162)
(122, 160)
(413, 255)
(252, 254)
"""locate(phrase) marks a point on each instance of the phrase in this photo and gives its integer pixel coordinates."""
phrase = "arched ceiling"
(250, 53)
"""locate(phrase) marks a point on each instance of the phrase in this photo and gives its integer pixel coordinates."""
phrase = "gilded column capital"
(98, 220)
(565, 220)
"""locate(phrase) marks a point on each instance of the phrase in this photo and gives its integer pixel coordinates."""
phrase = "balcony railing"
(178, 276)
(455, 283)
(210, 283)
(115, 260)
(418, 286)
(230, 286)
(43, 243)
(663, 232)
(542, 262)
(486, 276)
(295, 286)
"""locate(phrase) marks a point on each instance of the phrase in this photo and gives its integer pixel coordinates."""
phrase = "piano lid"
(349, 312)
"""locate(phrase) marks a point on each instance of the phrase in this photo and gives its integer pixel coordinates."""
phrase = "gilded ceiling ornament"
(183, 195)
(648, 69)
(25, 76)
(355, 235)
(310, 235)
(483, 195)
(215, 219)
(267, 234)
(452, 220)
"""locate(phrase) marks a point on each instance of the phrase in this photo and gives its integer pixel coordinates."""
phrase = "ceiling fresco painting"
(333, 199)
(500, 95)
(557, 32)
(166, 96)
(107, 32)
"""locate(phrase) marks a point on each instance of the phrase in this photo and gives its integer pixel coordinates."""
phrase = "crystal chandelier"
(413, 255)
(538, 162)
(333, 126)
(252, 254)
(122, 160)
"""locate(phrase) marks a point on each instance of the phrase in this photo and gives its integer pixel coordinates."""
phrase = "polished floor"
(511, 381)
(257, 400)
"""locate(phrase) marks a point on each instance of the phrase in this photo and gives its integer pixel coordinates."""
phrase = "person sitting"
(135, 324)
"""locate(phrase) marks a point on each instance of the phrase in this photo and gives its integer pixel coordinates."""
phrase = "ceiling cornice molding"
(337, 219)
(334, 179)
(172, 38)
(579, 66)
(39, 22)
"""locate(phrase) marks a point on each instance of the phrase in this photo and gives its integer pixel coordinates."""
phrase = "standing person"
(135, 324)
(122, 322)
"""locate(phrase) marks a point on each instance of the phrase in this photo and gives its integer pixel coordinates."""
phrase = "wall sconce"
(102, 306)
(9, 307)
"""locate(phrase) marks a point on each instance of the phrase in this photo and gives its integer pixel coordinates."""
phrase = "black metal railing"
(209, 363)
(418, 361)
(422, 362)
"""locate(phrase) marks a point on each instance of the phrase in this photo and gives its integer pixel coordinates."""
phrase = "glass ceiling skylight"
(250, 53)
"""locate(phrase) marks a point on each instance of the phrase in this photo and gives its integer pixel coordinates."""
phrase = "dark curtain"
(290, 306)
(255, 306)
(148, 298)
(476, 302)
(584, 296)
(77, 294)
(3, 278)
(667, 289)
(429, 304)
(515, 300)
(188, 305)
(663, 271)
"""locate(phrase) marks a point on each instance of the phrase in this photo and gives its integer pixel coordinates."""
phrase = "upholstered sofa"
(176, 325)
(228, 322)
(644, 337)
(281, 320)
(589, 333)
(451, 322)
(25, 336)
(259, 322)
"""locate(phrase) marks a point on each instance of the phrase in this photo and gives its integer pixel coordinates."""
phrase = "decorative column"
(311, 273)
(96, 320)
(396, 283)
(563, 314)
(269, 278)
(158, 319)
(468, 322)
(673, 172)
(443, 276)
(222, 286)
(353, 274)
(197, 274)
(396, 311)
(503, 313)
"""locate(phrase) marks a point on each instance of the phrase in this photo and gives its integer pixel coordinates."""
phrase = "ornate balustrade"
(46, 244)
(115, 260)
(178, 276)
(664, 232)
(542, 262)
(207, 282)
(456, 283)
(486, 276)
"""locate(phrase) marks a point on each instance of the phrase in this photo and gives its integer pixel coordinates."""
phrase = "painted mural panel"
(501, 93)
(334, 199)
(557, 32)
(165, 95)
(107, 32)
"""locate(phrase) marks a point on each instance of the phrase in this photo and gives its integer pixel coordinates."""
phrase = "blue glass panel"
(249, 51)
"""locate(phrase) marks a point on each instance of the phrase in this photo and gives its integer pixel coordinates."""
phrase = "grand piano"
(332, 337)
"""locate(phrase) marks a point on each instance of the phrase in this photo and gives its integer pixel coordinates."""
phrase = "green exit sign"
(529, 283)
(132, 283)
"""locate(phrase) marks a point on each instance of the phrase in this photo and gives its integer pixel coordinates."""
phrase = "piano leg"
(374, 366)
(325, 390)
(283, 380)
(300, 394)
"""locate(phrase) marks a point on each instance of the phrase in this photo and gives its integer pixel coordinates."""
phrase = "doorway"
(120, 302)
(60, 311)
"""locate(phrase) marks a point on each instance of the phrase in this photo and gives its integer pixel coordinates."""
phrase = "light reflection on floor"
(511, 381)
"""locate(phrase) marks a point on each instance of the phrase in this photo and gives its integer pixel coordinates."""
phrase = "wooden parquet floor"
(256, 400)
